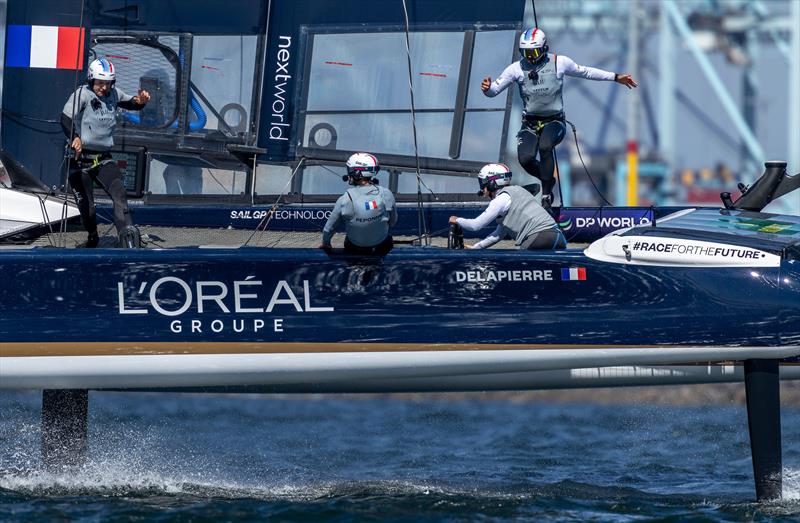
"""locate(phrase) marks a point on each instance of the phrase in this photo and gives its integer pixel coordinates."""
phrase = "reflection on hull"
(301, 318)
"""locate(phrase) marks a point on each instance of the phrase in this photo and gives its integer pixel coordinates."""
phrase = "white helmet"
(362, 165)
(492, 176)
(533, 44)
(101, 69)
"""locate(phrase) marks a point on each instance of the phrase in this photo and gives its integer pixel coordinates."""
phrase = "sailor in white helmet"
(517, 213)
(368, 210)
(540, 77)
(89, 119)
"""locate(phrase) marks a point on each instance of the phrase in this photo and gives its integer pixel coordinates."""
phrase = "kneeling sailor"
(367, 209)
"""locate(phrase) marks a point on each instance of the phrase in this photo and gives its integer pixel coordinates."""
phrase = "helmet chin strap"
(353, 179)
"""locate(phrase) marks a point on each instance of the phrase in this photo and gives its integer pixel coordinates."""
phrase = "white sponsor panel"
(678, 252)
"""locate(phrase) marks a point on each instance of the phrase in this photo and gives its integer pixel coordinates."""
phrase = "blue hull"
(414, 296)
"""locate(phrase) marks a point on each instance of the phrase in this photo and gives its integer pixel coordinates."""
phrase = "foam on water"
(132, 463)
(357, 460)
(791, 484)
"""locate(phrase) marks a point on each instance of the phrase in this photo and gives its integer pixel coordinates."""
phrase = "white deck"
(22, 211)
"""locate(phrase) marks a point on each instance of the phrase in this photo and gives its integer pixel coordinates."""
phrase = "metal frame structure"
(741, 28)
(453, 163)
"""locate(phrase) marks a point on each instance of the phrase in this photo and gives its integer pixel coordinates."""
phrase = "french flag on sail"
(574, 273)
(45, 46)
(371, 205)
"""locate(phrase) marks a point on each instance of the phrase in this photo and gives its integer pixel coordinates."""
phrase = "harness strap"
(92, 161)
(537, 122)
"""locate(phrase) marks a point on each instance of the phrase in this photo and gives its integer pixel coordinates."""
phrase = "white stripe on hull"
(347, 370)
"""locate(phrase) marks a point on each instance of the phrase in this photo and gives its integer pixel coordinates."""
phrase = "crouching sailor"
(518, 214)
(88, 119)
(367, 209)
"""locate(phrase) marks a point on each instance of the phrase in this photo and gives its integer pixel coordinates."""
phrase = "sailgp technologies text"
(498, 276)
(279, 121)
(285, 214)
(698, 250)
(247, 299)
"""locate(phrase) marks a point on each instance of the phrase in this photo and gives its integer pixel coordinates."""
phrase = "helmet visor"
(482, 185)
(486, 182)
(532, 54)
(360, 171)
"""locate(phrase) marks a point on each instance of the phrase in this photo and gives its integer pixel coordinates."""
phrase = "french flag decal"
(45, 46)
(575, 273)
(371, 205)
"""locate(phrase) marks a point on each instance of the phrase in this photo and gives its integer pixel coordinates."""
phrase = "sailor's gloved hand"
(626, 80)
(142, 98)
(77, 145)
(486, 83)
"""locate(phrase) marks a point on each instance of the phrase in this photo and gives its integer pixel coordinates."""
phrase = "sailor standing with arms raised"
(540, 76)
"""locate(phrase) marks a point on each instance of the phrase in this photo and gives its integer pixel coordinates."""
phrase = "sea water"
(187, 457)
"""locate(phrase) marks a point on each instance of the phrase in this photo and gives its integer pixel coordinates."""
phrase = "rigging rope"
(422, 225)
(267, 217)
(578, 148)
(558, 179)
(78, 68)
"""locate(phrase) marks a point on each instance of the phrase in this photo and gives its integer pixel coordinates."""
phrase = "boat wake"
(279, 458)
(123, 485)
(124, 478)
(120, 490)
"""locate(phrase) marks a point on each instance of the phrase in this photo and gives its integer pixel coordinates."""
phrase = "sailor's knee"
(546, 149)
(526, 157)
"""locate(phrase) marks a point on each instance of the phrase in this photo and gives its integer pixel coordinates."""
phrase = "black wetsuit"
(540, 135)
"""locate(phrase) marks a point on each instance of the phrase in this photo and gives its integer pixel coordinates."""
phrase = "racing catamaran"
(698, 296)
